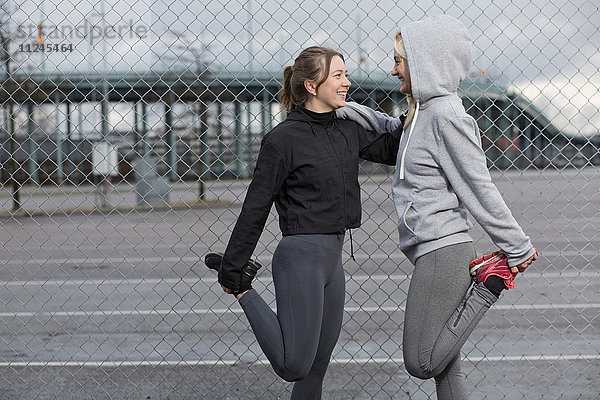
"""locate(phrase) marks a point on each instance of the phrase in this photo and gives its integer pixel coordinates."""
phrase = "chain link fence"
(128, 134)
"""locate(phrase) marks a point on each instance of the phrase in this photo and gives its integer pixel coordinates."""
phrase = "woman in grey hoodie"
(441, 173)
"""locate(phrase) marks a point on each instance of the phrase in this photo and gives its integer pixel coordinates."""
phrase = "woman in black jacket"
(308, 167)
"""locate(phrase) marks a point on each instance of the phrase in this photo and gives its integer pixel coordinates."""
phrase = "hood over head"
(439, 55)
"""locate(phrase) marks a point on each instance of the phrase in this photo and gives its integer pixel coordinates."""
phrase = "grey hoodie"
(441, 170)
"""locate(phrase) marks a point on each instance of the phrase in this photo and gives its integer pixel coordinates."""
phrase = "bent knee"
(417, 370)
(292, 373)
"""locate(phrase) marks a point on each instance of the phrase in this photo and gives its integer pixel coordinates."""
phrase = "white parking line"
(339, 361)
(222, 311)
(266, 279)
(266, 260)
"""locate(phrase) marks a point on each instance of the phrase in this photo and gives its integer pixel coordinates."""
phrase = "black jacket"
(308, 166)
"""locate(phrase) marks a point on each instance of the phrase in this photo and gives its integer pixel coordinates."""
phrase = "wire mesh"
(128, 136)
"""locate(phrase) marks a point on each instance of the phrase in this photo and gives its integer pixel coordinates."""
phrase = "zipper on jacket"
(341, 165)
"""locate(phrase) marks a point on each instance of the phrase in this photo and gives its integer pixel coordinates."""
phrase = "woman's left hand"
(523, 266)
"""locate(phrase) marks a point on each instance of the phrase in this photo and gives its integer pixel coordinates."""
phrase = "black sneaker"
(248, 273)
(213, 261)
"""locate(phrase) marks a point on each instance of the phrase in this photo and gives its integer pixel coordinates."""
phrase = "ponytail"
(285, 95)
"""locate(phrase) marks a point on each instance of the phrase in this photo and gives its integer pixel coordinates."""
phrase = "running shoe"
(495, 263)
(213, 261)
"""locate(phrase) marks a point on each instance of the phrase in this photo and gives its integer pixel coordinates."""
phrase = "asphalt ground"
(118, 305)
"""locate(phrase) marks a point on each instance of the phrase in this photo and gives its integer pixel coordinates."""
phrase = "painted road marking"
(343, 361)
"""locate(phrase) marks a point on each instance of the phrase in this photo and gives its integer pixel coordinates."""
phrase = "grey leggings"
(441, 313)
(309, 290)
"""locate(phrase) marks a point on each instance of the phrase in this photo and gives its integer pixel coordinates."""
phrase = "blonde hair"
(399, 47)
(312, 64)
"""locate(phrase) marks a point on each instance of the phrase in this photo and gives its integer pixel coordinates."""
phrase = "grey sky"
(548, 51)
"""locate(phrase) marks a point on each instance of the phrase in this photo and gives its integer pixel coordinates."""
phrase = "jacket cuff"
(515, 261)
(230, 279)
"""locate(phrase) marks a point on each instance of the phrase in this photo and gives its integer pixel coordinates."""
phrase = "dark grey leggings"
(441, 313)
(309, 290)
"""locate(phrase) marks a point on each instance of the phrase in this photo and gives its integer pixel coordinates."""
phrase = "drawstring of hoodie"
(351, 246)
(412, 127)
